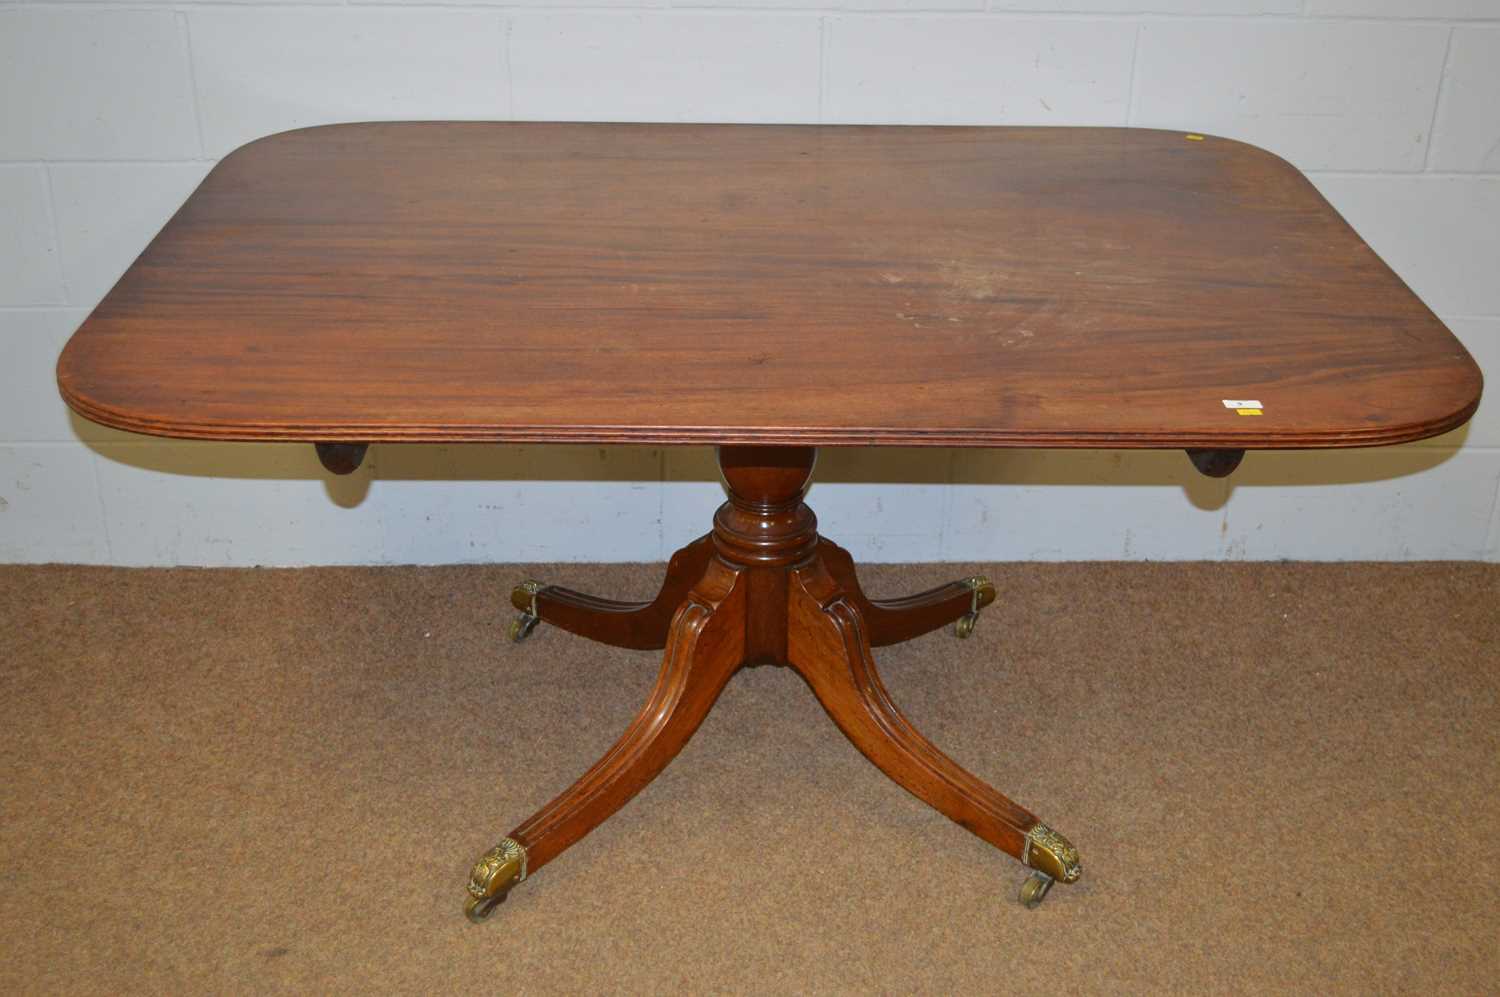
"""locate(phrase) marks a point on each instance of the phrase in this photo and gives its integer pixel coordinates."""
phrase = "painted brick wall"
(110, 113)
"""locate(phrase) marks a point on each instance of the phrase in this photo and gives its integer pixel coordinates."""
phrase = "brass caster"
(521, 627)
(982, 593)
(1051, 855)
(476, 909)
(1034, 890)
(1052, 858)
(523, 597)
(492, 877)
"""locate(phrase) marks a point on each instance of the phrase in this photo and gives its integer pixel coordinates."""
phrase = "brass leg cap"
(1051, 854)
(492, 877)
(984, 591)
(523, 596)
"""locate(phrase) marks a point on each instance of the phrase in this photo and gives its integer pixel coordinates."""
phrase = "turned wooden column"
(764, 529)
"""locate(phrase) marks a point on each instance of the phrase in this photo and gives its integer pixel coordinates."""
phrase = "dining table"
(766, 290)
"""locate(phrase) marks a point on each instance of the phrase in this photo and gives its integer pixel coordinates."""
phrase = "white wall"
(110, 113)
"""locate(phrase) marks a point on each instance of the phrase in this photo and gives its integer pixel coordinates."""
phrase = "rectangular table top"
(823, 285)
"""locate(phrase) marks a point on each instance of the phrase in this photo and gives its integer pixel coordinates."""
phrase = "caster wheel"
(477, 908)
(522, 626)
(1034, 890)
(964, 626)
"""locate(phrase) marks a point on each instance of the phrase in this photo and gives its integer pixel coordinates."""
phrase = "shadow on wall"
(866, 465)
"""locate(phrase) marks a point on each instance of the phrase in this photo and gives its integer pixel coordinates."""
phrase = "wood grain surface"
(815, 285)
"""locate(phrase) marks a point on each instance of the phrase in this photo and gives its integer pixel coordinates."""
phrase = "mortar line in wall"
(1437, 100)
(661, 505)
(71, 161)
(945, 512)
(1018, 13)
(538, 9)
(507, 25)
(1408, 174)
(812, 10)
(822, 68)
(1492, 532)
(1424, 446)
(1492, 546)
(1226, 495)
(62, 270)
(1030, 14)
(187, 6)
(192, 78)
(179, 5)
(94, 458)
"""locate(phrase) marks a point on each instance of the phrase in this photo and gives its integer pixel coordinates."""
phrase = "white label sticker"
(1231, 403)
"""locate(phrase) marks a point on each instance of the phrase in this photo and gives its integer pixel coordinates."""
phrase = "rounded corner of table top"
(83, 402)
(300, 134)
(1209, 140)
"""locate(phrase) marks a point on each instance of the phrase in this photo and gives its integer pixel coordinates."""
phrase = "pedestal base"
(764, 588)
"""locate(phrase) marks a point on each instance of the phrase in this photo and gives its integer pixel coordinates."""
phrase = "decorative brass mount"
(1053, 857)
(497, 870)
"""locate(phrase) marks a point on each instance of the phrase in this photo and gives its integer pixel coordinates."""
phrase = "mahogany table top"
(821, 285)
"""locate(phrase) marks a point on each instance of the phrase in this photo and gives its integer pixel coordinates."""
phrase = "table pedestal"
(764, 588)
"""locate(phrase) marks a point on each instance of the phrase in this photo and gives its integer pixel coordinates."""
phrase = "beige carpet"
(1281, 777)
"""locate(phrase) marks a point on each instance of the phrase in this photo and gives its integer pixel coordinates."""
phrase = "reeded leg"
(705, 646)
(639, 625)
(893, 621)
(829, 645)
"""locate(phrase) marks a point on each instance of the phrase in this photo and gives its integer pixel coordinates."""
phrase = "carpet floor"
(1281, 777)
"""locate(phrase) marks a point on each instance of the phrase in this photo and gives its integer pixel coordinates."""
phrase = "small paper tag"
(1233, 403)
